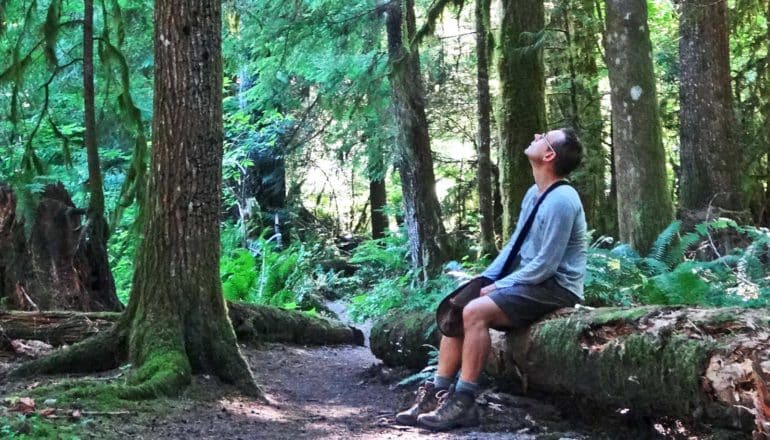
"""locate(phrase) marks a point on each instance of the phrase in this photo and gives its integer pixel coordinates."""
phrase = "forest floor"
(317, 393)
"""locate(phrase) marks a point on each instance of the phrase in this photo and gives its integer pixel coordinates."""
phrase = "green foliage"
(266, 273)
(385, 280)
(684, 269)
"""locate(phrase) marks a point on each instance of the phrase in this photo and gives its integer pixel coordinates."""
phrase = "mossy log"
(710, 365)
(405, 338)
(252, 323)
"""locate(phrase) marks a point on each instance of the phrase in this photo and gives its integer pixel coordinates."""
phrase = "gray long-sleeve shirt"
(555, 246)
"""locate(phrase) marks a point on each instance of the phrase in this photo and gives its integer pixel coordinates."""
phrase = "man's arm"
(557, 229)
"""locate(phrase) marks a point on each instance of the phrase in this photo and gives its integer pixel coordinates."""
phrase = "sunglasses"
(547, 143)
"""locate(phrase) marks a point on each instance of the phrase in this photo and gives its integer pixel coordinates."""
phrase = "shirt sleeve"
(556, 230)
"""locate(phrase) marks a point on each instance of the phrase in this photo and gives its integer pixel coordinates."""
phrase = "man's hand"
(487, 290)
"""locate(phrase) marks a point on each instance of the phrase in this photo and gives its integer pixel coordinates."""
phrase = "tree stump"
(56, 267)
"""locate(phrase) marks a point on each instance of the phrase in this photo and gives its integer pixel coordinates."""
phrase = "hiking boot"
(426, 401)
(454, 410)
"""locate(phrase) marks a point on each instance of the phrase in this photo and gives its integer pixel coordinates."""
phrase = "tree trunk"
(96, 233)
(176, 321)
(711, 161)
(644, 204)
(522, 107)
(56, 268)
(428, 242)
(252, 323)
(378, 200)
(665, 361)
(764, 218)
(486, 203)
(590, 178)
(708, 152)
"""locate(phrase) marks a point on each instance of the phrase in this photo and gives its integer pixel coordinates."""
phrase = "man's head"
(560, 150)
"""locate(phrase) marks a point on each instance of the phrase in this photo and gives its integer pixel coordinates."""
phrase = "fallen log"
(405, 339)
(691, 363)
(252, 323)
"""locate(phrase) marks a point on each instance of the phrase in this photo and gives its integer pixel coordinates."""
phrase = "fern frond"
(664, 241)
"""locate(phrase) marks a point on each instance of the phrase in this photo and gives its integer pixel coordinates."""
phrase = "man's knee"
(477, 313)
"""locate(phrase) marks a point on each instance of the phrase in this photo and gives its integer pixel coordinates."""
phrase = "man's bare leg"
(478, 316)
(450, 354)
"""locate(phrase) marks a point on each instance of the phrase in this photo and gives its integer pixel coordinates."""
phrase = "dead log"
(690, 363)
(252, 323)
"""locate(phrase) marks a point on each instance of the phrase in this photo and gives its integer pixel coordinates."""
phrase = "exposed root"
(102, 352)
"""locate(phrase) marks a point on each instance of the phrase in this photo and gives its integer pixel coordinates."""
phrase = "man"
(548, 276)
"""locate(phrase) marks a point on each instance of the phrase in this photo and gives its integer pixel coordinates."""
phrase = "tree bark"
(644, 203)
(665, 361)
(175, 323)
(252, 323)
(486, 202)
(522, 107)
(96, 233)
(590, 178)
(710, 159)
(428, 241)
(378, 196)
(56, 268)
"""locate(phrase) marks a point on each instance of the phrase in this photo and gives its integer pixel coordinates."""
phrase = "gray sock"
(441, 382)
(467, 387)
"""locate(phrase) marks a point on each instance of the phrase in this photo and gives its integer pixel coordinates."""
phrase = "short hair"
(569, 153)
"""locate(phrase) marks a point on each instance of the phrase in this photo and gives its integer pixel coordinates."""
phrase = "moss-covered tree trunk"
(176, 321)
(428, 242)
(486, 202)
(703, 364)
(96, 233)
(581, 30)
(644, 203)
(521, 113)
(709, 154)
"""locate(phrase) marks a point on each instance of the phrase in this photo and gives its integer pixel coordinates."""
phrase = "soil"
(328, 393)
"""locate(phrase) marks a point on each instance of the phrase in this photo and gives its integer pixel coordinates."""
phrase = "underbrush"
(718, 264)
(385, 280)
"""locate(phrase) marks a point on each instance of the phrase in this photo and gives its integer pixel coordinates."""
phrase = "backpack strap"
(507, 267)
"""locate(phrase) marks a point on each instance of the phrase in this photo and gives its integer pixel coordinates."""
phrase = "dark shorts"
(524, 304)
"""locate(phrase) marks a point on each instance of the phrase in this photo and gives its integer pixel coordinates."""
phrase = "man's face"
(541, 147)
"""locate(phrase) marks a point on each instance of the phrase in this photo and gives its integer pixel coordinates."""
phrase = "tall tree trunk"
(486, 203)
(98, 278)
(590, 179)
(522, 109)
(644, 204)
(711, 161)
(378, 196)
(765, 220)
(378, 199)
(427, 236)
(176, 321)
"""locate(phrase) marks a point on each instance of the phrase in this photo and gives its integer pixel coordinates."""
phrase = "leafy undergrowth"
(718, 264)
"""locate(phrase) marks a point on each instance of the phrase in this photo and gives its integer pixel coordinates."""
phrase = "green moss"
(723, 317)
(606, 315)
(668, 381)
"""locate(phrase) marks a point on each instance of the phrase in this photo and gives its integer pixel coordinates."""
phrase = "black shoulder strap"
(507, 267)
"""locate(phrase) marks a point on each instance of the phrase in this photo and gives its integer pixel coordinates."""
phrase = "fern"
(663, 242)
